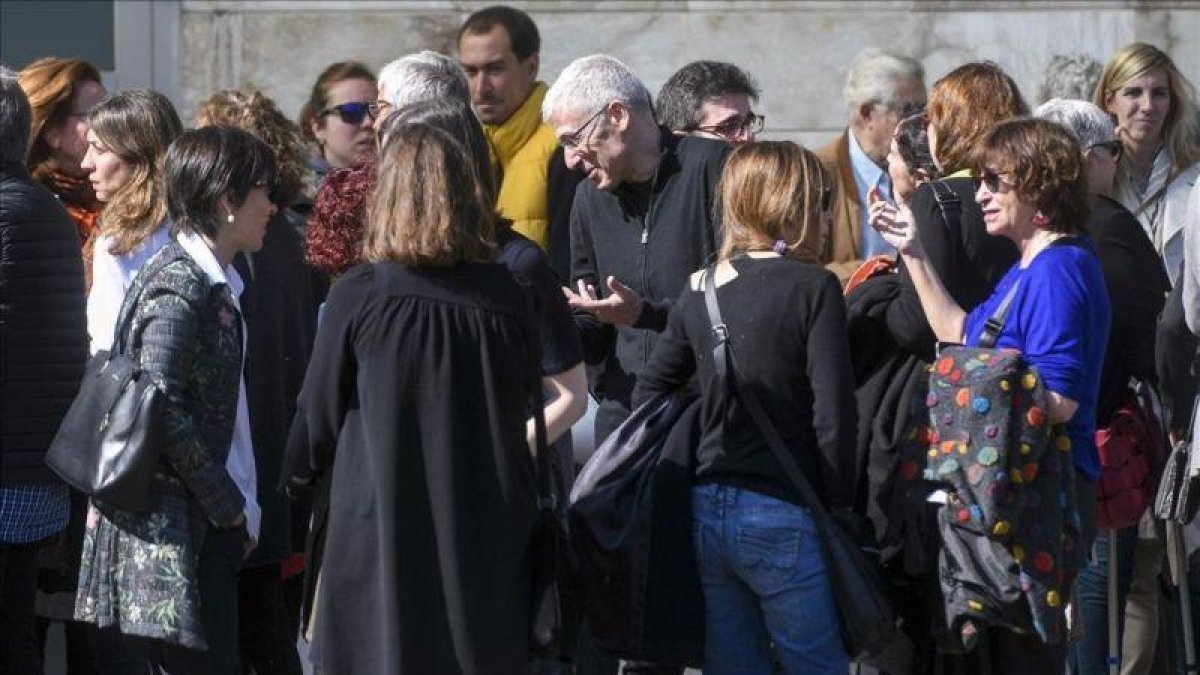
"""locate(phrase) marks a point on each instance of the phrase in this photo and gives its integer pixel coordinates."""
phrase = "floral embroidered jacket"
(139, 571)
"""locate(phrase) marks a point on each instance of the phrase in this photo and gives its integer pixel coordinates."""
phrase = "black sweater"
(650, 238)
(1137, 288)
(43, 327)
(787, 326)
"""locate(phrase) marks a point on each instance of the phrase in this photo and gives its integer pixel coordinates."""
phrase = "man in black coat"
(43, 350)
(640, 224)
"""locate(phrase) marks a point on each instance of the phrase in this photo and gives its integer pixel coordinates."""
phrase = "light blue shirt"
(867, 175)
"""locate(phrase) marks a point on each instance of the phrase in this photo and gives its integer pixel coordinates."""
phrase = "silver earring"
(229, 219)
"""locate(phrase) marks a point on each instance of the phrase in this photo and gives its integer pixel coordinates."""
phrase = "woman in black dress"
(420, 382)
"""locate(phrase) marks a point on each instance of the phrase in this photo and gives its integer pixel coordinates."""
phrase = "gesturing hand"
(622, 306)
(897, 227)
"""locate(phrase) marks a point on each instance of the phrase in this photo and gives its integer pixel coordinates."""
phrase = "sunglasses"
(752, 123)
(995, 184)
(350, 113)
(1113, 148)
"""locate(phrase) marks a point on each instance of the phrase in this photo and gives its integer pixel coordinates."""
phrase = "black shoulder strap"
(723, 362)
(132, 298)
(949, 204)
(995, 322)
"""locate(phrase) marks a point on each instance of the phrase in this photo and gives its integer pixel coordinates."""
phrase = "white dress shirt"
(240, 463)
(111, 277)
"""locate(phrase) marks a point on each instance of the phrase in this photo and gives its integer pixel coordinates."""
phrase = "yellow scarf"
(521, 149)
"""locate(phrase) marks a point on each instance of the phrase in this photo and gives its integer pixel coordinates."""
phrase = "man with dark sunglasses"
(710, 99)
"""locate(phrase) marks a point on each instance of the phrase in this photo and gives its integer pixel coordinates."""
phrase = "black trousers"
(220, 562)
(267, 634)
(19, 652)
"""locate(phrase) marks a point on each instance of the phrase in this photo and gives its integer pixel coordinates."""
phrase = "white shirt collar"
(199, 251)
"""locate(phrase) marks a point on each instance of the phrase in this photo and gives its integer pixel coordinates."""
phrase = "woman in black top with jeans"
(759, 554)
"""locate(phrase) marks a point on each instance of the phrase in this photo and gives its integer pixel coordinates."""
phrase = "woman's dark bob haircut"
(1046, 167)
(206, 164)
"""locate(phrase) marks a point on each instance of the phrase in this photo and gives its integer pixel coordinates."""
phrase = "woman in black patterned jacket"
(140, 579)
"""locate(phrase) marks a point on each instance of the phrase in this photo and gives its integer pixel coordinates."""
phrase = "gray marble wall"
(798, 49)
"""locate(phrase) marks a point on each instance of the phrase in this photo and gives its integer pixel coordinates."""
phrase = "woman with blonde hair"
(1154, 108)
(61, 94)
(128, 137)
(423, 375)
(760, 558)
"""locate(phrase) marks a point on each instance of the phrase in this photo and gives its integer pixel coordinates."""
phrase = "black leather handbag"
(556, 611)
(1178, 496)
(108, 444)
(867, 620)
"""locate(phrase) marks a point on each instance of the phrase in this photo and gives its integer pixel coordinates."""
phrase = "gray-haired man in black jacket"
(640, 224)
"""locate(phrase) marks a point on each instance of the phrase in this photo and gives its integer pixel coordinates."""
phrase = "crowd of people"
(365, 322)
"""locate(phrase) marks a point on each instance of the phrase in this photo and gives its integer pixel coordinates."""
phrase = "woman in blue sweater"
(1032, 189)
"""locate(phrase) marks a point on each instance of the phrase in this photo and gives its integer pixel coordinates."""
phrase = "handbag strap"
(131, 300)
(995, 323)
(724, 362)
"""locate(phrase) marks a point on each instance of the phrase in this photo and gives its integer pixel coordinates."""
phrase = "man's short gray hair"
(592, 82)
(1070, 76)
(874, 74)
(1085, 120)
(14, 119)
(423, 76)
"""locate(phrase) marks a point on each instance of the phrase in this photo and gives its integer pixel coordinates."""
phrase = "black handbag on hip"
(867, 621)
(555, 609)
(1178, 496)
(108, 444)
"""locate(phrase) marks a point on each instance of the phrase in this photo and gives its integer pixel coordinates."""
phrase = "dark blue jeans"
(763, 574)
(1090, 655)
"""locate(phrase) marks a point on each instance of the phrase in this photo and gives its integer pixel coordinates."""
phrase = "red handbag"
(1132, 453)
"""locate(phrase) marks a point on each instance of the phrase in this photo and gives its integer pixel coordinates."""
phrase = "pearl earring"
(229, 219)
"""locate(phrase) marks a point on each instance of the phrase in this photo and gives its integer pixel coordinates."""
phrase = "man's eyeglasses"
(995, 184)
(575, 139)
(730, 128)
(350, 113)
(378, 109)
(1113, 148)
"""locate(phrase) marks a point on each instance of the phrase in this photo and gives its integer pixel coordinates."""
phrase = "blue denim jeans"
(1090, 655)
(763, 574)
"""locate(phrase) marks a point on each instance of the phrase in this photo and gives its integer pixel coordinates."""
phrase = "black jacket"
(968, 260)
(43, 327)
(651, 246)
(1137, 288)
(281, 322)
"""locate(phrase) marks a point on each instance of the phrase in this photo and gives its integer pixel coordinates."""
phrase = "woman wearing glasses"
(1153, 106)
(162, 585)
(1032, 191)
(1137, 287)
(61, 93)
(337, 118)
(962, 106)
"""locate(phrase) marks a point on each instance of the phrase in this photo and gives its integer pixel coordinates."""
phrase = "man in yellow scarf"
(499, 50)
